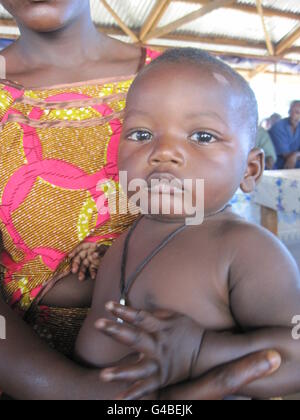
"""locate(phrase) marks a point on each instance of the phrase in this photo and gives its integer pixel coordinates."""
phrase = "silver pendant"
(122, 303)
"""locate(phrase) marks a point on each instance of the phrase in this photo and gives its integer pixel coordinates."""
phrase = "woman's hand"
(86, 258)
(226, 380)
(164, 361)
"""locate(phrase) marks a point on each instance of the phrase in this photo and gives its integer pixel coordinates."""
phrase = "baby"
(191, 117)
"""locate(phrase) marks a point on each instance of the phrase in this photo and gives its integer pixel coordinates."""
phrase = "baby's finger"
(135, 338)
(85, 262)
(93, 272)
(144, 369)
(75, 267)
(141, 319)
(76, 263)
(82, 272)
(94, 259)
(80, 248)
(141, 389)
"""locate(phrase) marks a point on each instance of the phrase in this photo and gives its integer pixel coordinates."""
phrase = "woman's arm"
(30, 370)
(220, 348)
(225, 380)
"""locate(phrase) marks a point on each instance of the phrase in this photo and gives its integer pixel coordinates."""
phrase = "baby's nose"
(166, 152)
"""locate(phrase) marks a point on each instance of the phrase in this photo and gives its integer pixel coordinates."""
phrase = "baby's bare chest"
(184, 278)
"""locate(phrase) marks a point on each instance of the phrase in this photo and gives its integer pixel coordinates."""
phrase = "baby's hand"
(165, 359)
(86, 258)
(168, 345)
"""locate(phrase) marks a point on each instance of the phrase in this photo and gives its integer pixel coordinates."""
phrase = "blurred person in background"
(264, 142)
(285, 135)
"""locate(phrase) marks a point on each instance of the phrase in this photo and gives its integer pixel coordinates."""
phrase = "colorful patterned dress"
(58, 160)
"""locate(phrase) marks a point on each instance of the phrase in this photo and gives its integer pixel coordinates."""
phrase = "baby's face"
(186, 124)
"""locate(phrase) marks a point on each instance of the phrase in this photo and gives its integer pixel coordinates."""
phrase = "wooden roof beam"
(268, 11)
(222, 41)
(155, 16)
(269, 43)
(215, 40)
(204, 10)
(288, 41)
(261, 58)
(281, 49)
(120, 22)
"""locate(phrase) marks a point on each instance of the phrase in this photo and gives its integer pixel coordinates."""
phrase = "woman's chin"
(44, 20)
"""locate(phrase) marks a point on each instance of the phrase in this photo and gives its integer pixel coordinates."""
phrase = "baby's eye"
(140, 135)
(203, 137)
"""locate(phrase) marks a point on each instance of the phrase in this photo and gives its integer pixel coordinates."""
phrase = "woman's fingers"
(247, 370)
(141, 389)
(141, 370)
(140, 319)
(133, 337)
(228, 379)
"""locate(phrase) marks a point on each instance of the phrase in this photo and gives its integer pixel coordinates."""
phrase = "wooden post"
(269, 43)
(269, 219)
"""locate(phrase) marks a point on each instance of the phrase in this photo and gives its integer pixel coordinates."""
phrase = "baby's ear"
(255, 170)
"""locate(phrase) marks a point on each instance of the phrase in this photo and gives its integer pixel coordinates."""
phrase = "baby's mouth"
(164, 183)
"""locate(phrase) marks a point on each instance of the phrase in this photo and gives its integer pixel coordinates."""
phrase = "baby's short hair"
(199, 57)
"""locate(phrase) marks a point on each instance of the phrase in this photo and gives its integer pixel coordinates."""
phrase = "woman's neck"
(77, 42)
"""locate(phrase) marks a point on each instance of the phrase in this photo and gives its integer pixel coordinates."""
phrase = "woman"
(57, 143)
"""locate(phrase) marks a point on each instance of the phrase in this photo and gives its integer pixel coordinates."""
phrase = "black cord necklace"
(125, 286)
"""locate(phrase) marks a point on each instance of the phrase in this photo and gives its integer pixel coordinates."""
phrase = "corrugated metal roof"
(222, 23)
(245, 26)
(285, 5)
(132, 12)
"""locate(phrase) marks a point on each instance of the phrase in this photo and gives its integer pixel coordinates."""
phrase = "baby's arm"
(264, 296)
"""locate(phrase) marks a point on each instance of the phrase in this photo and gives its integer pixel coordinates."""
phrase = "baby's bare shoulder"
(264, 280)
(255, 250)
(247, 241)
(236, 230)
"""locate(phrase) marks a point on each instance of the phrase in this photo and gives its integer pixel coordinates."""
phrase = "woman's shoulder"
(77, 95)
(9, 93)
